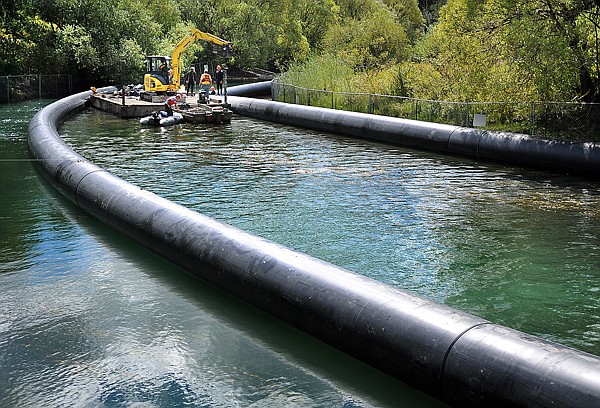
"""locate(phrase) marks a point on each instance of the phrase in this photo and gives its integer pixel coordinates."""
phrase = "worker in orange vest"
(205, 83)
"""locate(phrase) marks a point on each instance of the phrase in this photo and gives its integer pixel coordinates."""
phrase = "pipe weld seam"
(480, 133)
(449, 141)
(81, 179)
(443, 365)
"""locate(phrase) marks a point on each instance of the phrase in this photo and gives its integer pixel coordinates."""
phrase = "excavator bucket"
(224, 50)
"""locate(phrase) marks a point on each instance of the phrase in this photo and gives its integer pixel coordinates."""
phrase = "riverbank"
(15, 88)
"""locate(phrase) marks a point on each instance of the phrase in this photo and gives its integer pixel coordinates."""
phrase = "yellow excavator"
(163, 74)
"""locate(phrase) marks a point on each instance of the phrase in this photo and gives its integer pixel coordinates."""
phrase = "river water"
(88, 318)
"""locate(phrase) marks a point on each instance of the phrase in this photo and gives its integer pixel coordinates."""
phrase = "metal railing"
(31, 86)
(562, 120)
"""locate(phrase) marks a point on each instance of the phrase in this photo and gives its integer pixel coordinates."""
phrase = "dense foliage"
(476, 50)
(467, 50)
(510, 50)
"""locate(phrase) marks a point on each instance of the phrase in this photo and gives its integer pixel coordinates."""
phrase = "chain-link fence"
(22, 87)
(563, 120)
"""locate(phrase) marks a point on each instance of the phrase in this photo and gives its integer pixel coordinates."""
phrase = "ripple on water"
(481, 237)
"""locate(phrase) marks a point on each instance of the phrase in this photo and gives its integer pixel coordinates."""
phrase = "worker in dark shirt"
(219, 76)
(190, 81)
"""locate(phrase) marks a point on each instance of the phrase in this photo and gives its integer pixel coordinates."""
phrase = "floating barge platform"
(216, 111)
(210, 113)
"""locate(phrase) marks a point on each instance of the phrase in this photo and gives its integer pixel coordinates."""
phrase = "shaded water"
(89, 318)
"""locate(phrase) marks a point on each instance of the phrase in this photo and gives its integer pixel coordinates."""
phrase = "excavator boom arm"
(185, 42)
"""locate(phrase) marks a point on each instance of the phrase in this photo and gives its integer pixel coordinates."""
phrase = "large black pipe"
(457, 357)
(565, 156)
(254, 89)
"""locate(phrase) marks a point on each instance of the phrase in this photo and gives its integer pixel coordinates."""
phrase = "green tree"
(246, 26)
(455, 60)
(202, 14)
(409, 16)
(369, 37)
(95, 37)
(430, 10)
(316, 17)
(21, 33)
(562, 37)
(371, 41)
(513, 50)
(269, 33)
(291, 42)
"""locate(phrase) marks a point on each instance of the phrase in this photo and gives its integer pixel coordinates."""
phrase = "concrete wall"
(457, 357)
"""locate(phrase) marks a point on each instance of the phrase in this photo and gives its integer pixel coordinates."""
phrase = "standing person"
(171, 103)
(190, 81)
(219, 75)
(164, 71)
(205, 82)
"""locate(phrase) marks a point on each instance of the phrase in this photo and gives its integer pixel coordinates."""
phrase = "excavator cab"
(158, 73)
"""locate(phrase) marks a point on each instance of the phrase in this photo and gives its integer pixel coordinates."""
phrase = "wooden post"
(123, 82)
(225, 86)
